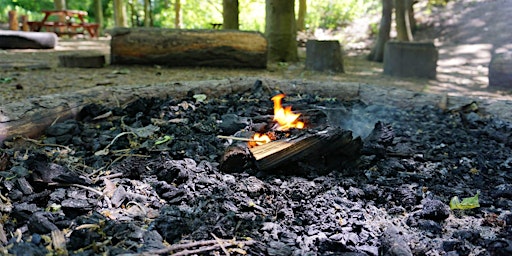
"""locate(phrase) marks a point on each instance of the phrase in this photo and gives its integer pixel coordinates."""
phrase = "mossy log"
(176, 47)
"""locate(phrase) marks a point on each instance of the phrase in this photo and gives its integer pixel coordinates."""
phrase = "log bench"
(180, 47)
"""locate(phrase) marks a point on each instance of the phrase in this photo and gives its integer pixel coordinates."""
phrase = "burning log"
(320, 150)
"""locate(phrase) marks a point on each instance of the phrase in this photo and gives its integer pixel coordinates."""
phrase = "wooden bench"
(67, 26)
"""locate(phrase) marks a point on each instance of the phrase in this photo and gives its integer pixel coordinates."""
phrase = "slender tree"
(120, 17)
(230, 14)
(377, 53)
(147, 13)
(98, 7)
(403, 24)
(301, 16)
(177, 13)
(59, 4)
(281, 30)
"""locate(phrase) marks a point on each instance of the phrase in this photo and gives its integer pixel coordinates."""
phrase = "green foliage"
(332, 14)
(198, 14)
(467, 203)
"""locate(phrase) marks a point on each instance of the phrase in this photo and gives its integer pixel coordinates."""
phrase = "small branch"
(238, 138)
(202, 246)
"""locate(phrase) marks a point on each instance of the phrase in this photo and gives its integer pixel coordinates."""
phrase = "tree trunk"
(99, 15)
(403, 25)
(377, 53)
(412, 20)
(230, 14)
(215, 48)
(177, 13)
(59, 4)
(120, 19)
(301, 23)
(280, 29)
(147, 13)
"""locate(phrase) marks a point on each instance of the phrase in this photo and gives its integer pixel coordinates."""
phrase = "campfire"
(289, 143)
(285, 120)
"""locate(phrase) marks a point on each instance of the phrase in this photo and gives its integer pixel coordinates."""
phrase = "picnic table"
(68, 22)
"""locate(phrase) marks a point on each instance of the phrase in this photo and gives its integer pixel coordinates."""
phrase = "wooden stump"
(410, 59)
(500, 70)
(13, 20)
(175, 47)
(82, 61)
(324, 56)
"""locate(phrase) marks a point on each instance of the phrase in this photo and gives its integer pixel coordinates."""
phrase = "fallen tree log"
(176, 47)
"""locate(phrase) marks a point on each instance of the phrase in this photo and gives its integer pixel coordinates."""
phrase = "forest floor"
(465, 32)
(153, 176)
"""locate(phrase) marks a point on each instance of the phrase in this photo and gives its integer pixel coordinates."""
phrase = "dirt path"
(466, 33)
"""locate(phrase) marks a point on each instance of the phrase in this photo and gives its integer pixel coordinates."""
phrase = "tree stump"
(500, 70)
(175, 47)
(410, 59)
(82, 61)
(324, 56)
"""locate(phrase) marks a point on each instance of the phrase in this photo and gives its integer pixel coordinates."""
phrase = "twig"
(204, 246)
(238, 138)
(220, 244)
(45, 144)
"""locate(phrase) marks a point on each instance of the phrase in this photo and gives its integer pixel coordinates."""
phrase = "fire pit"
(364, 178)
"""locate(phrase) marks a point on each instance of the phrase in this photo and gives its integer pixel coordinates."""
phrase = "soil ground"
(465, 32)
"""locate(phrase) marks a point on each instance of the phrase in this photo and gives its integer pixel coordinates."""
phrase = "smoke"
(359, 119)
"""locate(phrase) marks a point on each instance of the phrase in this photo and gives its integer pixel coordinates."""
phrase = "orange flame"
(259, 139)
(284, 116)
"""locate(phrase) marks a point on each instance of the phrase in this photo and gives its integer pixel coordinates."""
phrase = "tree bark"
(230, 14)
(177, 14)
(377, 53)
(216, 48)
(120, 17)
(147, 13)
(301, 19)
(403, 25)
(280, 29)
(59, 4)
(99, 15)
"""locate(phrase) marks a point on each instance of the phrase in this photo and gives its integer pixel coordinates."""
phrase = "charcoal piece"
(393, 243)
(69, 127)
(231, 124)
(41, 222)
(278, 248)
(454, 245)
(152, 241)
(430, 226)
(44, 171)
(24, 186)
(80, 204)
(27, 248)
(118, 197)
(380, 138)
(434, 209)
(500, 247)
(173, 223)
